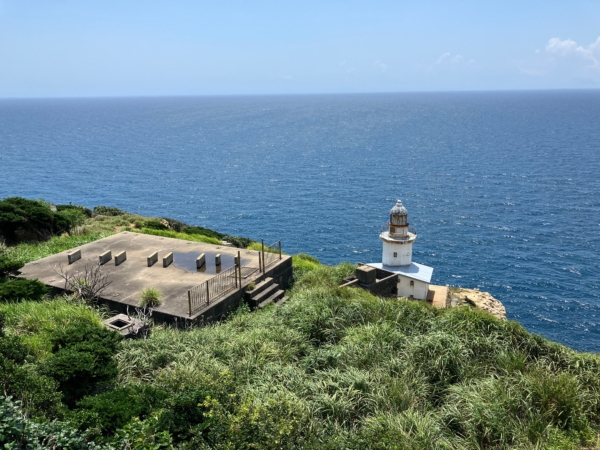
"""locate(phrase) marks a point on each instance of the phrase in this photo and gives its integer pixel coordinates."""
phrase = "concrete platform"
(133, 275)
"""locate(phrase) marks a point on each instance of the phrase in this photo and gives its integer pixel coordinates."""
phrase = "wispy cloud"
(448, 58)
(381, 65)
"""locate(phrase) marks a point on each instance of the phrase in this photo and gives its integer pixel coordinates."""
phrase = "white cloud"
(569, 47)
(448, 58)
(442, 58)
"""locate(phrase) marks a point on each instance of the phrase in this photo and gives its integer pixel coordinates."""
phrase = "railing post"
(263, 255)
(190, 301)
(240, 268)
(207, 293)
(279, 249)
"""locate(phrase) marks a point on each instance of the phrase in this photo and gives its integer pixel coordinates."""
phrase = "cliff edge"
(478, 299)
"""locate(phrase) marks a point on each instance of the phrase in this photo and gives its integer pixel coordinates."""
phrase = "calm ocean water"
(503, 188)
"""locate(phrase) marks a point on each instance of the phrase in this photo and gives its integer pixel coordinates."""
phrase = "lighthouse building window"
(395, 254)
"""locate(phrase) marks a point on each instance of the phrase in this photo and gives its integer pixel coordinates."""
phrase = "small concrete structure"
(168, 259)
(120, 258)
(152, 259)
(377, 281)
(366, 275)
(200, 261)
(218, 259)
(126, 326)
(105, 257)
(74, 256)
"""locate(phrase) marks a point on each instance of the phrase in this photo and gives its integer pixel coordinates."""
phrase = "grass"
(340, 368)
(36, 321)
(150, 297)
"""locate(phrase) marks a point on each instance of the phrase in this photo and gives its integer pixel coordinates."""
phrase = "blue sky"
(130, 48)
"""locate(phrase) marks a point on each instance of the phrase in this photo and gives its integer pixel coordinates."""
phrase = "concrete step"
(267, 282)
(282, 300)
(266, 293)
(273, 298)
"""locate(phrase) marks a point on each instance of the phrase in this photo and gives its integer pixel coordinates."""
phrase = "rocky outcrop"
(477, 299)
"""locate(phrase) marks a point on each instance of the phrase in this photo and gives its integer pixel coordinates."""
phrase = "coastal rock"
(478, 299)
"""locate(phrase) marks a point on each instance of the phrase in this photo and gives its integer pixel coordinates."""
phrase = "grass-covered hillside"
(333, 368)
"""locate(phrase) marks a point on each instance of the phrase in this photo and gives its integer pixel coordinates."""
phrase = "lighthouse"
(398, 240)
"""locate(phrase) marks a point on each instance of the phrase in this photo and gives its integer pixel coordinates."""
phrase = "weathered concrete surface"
(479, 299)
(134, 274)
(439, 296)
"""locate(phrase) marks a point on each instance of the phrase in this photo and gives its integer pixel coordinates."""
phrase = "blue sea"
(503, 188)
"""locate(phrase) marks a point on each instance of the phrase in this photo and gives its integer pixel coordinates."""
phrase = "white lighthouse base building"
(413, 280)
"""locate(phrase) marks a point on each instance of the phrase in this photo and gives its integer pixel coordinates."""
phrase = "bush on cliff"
(82, 360)
(23, 219)
(20, 288)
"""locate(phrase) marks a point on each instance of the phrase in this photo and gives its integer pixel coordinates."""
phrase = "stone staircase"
(265, 293)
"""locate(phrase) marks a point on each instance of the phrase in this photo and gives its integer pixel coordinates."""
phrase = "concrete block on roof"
(74, 256)
(366, 274)
(152, 259)
(200, 261)
(167, 259)
(105, 257)
(120, 258)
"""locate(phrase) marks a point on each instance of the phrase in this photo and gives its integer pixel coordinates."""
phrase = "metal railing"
(271, 254)
(211, 290)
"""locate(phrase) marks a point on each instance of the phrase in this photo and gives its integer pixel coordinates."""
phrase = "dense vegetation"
(333, 368)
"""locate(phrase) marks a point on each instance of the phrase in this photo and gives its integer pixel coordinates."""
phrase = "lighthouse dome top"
(399, 209)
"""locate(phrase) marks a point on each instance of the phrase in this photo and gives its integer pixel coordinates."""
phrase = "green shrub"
(203, 231)
(236, 241)
(19, 431)
(150, 297)
(107, 211)
(109, 411)
(175, 225)
(20, 288)
(20, 215)
(23, 219)
(82, 359)
(87, 212)
(155, 225)
(8, 265)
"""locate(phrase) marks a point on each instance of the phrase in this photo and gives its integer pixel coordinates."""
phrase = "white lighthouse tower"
(397, 240)
(413, 278)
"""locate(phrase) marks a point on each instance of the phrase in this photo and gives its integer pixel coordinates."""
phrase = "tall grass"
(36, 321)
(340, 368)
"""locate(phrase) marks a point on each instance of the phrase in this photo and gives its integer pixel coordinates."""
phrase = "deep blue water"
(502, 187)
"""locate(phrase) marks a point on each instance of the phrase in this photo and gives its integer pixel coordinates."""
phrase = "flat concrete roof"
(133, 275)
(415, 271)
